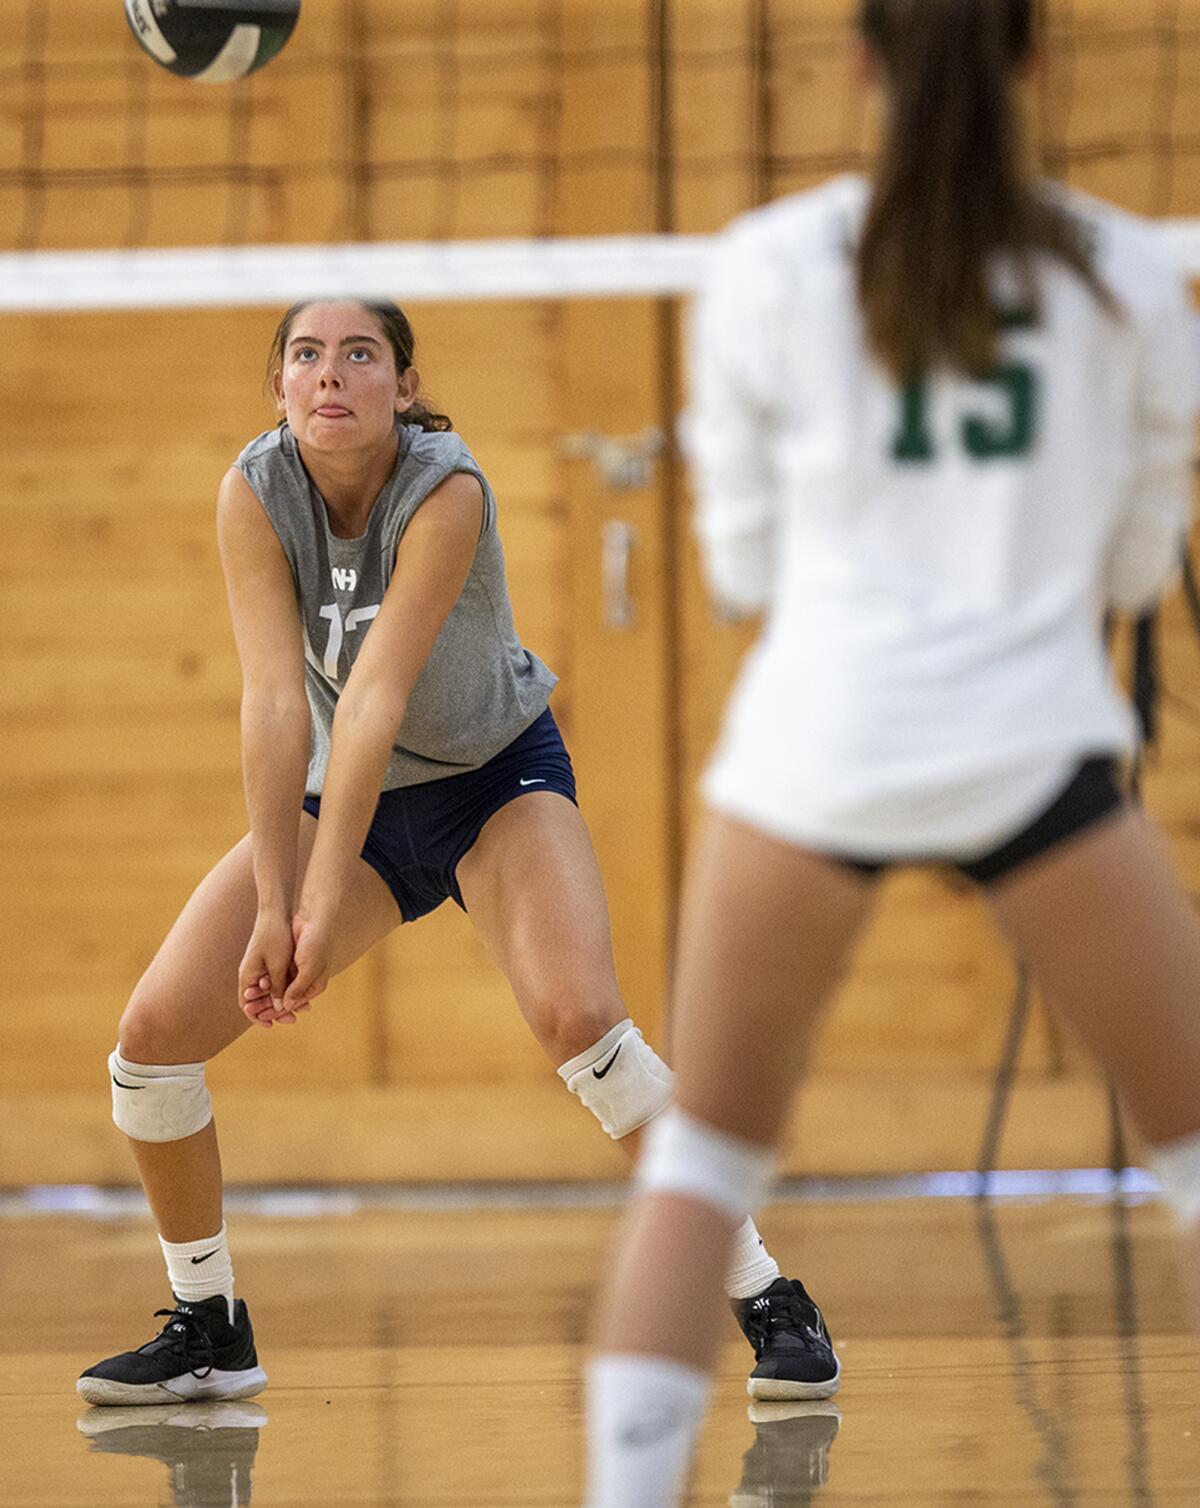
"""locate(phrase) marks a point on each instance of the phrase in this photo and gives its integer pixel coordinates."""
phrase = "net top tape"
(431, 271)
(413, 272)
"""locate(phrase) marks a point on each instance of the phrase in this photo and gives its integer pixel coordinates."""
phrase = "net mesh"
(437, 120)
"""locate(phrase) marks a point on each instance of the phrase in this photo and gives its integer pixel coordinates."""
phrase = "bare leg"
(185, 1010)
(183, 1184)
(533, 890)
(766, 933)
(1113, 940)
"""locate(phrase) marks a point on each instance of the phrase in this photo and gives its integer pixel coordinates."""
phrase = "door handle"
(617, 540)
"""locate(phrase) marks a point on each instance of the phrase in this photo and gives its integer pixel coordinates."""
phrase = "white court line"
(90, 1202)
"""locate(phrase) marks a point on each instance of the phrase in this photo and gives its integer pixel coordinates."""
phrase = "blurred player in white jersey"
(941, 422)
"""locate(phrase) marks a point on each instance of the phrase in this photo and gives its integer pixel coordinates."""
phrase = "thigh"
(1114, 942)
(532, 887)
(186, 1004)
(766, 932)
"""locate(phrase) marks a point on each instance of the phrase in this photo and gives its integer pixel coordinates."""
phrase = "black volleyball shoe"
(207, 1448)
(793, 1353)
(198, 1354)
(789, 1460)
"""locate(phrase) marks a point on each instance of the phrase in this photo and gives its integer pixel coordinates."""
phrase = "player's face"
(338, 385)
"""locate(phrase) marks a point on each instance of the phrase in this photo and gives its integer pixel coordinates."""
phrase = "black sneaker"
(794, 1354)
(207, 1448)
(198, 1354)
(789, 1460)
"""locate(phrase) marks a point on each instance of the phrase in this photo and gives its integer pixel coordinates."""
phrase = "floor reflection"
(207, 1448)
(789, 1460)
(1056, 1465)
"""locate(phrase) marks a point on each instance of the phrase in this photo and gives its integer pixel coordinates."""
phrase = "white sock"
(200, 1269)
(644, 1413)
(751, 1266)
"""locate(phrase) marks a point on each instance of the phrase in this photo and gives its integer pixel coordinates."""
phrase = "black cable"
(1005, 1076)
(1147, 681)
(1053, 1469)
(1133, 1410)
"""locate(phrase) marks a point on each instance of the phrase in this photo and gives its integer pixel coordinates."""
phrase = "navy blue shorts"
(420, 832)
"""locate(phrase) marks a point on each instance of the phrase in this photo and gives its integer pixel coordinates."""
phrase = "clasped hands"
(285, 967)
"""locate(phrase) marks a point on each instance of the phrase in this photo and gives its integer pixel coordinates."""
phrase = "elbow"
(738, 600)
(1145, 565)
(1133, 594)
(274, 706)
(740, 570)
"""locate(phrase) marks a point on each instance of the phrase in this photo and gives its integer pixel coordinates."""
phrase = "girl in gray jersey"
(386, 694)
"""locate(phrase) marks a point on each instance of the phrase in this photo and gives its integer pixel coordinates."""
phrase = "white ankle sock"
(644, 1413)
(751, 1266)
(200, 1269)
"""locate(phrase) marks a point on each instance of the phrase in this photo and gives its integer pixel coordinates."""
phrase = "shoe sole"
(776, 1413)
(221, 1414)
(785, 1390)
(105, 1392)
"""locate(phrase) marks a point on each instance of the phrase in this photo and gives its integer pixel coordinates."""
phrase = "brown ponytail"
(950, 188)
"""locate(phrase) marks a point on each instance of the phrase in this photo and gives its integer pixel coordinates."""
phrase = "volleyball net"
(478, 149)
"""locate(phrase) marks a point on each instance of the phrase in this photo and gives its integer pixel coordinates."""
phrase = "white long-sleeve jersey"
(934, 560)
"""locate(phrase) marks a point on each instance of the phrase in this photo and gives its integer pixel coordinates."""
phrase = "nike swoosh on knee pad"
(598, 1073)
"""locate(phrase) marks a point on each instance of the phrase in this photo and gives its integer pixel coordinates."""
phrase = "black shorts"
(420, 832)
(1092, 792)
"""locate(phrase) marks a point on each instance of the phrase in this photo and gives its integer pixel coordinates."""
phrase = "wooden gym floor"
(1012, 1353)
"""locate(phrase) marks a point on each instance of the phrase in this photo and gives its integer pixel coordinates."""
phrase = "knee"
(621, 1079)
(158, 1102)
(567, 1024)
(147, 1030)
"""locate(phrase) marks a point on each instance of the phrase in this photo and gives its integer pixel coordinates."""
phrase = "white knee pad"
(159, 1102)
(685, 1156)
(1176, 1165)
(622, 1081)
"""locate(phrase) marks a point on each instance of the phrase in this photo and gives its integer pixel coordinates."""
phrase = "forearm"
(363, 736)
(275, 747)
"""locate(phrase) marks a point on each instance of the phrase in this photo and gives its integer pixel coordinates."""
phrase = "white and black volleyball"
(212, 41)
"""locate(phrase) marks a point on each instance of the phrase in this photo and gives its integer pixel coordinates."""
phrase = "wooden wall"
(118, 683)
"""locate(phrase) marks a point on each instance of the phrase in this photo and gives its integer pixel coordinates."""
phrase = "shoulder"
(436, 450)
(1133, 254)
(269, 455)
(826, 219)
(774, 255)
(429, 462)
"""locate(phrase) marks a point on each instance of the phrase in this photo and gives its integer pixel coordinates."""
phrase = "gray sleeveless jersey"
(479, 688)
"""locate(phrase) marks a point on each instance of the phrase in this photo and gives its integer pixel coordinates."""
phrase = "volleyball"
(212, 41)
